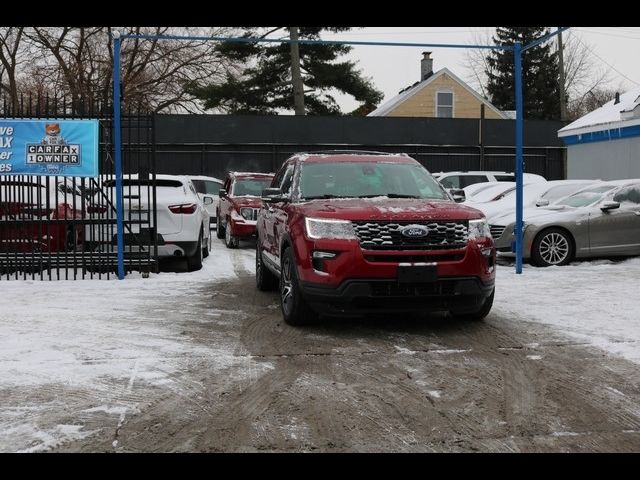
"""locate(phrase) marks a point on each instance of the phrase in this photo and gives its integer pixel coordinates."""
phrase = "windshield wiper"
(390, 195)
(326, 195)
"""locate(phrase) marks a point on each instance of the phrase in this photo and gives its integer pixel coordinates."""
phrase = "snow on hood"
(384, 208)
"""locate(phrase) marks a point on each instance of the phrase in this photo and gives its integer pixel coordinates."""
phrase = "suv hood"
(247, 201)
(396, 209)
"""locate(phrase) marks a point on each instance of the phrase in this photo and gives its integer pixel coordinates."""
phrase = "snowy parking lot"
(203, 362)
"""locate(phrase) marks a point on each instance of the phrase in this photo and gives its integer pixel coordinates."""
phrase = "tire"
(265, 279)
(194, 262)
(552, 246)
(207, 246)
(480, 314)
(295, 309)
(229, 240)
(219, 227)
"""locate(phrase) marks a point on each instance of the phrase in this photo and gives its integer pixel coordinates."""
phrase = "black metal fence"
(214, 144)
(65, 227)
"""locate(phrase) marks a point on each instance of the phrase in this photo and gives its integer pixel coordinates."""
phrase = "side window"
(467, 180)
(451, 182)
(505, 178)
(277, 180)
(630, 194)
(285, 186)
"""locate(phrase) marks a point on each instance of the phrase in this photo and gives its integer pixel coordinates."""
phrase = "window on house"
(444, 104)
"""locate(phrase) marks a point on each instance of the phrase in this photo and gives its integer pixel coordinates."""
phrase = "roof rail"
(355, 152)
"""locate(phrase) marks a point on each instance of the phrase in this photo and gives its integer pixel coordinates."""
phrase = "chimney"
(617, 98)
(426, 66)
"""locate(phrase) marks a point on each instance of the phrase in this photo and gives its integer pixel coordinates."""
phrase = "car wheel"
(206, 246)
(219, 227)
(295, 309)
(194, 262)
(552, 246)
(230, 240)
(265, 279)
(480, 314)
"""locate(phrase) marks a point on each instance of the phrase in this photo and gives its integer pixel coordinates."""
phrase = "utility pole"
(563, 103)
(296, 77)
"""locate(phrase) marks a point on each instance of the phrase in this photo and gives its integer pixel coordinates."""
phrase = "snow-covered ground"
(83, 333)
(597, 302)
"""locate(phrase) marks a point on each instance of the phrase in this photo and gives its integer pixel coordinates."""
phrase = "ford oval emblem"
(415, 231)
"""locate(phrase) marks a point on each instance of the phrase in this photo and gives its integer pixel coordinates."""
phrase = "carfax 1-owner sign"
(67, 148)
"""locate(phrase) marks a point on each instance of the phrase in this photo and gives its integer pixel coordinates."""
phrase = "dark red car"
(37, 215)
(362, 233)
(240, 200)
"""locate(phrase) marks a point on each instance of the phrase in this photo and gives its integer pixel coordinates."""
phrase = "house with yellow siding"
(441, 94)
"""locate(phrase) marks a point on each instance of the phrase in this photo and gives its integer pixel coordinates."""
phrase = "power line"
(599, 32)
(607, 63)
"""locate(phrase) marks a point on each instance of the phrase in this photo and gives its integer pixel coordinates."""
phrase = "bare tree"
(78, 62)
(10, 60)
(591, 100)
(582, 71)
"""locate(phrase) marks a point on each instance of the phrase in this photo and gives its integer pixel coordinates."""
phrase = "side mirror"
(606, 206)
(207, 200)
(272, 195)
(458, 195)
(542, 202)
(222, 193)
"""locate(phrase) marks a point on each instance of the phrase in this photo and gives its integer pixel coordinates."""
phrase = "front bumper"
(380, 295)
(505, 243)
(242, 228)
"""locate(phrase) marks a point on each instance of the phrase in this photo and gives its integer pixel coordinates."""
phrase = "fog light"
(318, 258)
(487, 253)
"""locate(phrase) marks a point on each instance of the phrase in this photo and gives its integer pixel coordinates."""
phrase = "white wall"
(612, 160)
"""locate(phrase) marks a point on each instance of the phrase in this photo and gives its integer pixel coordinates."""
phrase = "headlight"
(324, 228)
(479, 228)
(247, 213)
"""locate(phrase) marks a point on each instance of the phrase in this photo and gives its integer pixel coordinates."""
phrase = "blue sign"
(67, 148)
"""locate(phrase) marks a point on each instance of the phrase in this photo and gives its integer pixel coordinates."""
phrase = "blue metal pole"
(517, 54)
(117, 126)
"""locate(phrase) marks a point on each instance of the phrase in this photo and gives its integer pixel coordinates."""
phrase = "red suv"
(239, 204)
(366, 232)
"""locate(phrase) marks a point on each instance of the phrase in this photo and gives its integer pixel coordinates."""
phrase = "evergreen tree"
(540, 94)
(263, 84)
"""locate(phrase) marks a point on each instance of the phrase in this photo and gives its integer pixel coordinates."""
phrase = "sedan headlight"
(479, 228)
(329, 228)
(247, 213)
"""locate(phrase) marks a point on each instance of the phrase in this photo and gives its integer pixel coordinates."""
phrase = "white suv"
(183, 220)
(208, 186)
(464, 179)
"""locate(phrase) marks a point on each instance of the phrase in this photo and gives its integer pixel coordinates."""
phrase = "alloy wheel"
(554, 248)
(286, 290)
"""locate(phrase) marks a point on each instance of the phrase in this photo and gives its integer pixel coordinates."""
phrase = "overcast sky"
(393, 68)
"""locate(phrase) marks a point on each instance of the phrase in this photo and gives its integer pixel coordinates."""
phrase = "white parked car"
(182, 219)
(533, 195)
(464, 179)
(208, 186)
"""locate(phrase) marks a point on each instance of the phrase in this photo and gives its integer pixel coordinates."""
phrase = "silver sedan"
(601, 220)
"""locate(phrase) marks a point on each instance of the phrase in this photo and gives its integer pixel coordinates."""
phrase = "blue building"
(605, 143)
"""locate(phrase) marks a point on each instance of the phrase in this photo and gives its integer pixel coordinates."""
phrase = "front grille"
(496, 230)
(388, 236)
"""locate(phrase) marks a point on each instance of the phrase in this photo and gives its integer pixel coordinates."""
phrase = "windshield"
(207, 186)
(250, 186)
(585, 197)
(362, 180)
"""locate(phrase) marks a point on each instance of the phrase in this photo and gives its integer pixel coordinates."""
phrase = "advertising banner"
(67, 148)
